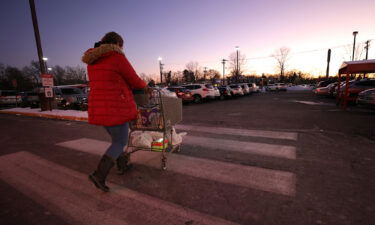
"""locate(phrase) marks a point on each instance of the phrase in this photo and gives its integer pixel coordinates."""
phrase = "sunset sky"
(180, 31)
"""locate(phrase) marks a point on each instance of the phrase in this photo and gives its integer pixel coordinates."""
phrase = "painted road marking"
(240, 132)
(281, 151)
(70, 195)
(269, 180)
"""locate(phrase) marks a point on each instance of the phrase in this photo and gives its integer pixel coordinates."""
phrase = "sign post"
(47, 83)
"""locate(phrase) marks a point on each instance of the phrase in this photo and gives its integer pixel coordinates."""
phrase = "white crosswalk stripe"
(67, 193)
(240, 132)
(269, 180)
(281, 151)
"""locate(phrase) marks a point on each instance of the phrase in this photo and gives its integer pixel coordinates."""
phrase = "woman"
(111, 102)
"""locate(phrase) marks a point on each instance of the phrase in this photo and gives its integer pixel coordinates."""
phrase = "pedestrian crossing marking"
(268, 180)
(68, 194)
(281, 151)
(240, 132)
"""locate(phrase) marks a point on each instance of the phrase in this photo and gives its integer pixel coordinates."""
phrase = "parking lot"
(267, 158)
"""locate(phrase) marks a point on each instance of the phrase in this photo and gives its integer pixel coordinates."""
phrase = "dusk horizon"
(201, 31)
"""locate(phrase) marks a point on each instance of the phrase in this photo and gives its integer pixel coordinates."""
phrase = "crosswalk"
(68, 193)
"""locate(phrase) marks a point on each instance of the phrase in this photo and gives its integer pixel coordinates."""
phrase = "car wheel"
(197, 99)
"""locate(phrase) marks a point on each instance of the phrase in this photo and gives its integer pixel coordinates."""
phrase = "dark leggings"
(119, 135)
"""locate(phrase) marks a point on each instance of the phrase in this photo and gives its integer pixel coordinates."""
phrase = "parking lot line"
(281, 151)
(240, 132)
(268, 180)
(68, 194)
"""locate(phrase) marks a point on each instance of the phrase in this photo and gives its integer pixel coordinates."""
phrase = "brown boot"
(99, 176)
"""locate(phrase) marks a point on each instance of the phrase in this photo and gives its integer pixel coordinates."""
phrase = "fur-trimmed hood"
(93, 54)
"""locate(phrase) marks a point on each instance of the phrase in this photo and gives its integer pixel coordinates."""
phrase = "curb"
(73, 118)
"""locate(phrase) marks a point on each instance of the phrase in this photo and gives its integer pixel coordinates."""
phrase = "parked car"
(225, 92)
(69, 97)
(199, 91)
(271, 87)
(9, 97)
(332, 89)
(245, 88)
(367, 98)
(217, 92)
(342, 87)
(236, 90)
(30, 99)
(325, 91)
(253, 87)
(212, 94)
(281, 87)
(323, 83)
(356, 87)
(182, 93)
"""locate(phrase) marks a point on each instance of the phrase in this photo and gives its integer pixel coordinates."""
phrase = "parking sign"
(48, 92)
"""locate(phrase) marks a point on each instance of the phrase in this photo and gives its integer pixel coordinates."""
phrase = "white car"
(9, 97)
(212, 93)
(199, 92)
(236, 89)
(245, 88)
(253, 87)
(276, 87)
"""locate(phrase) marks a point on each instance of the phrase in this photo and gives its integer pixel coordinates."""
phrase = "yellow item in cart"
(158, 145)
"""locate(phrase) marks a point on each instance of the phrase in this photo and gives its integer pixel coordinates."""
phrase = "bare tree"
(358, 52)
(194, 68)
(75, 75)
(237, 72)
(281, 55)
(213, 74)
(145, 77)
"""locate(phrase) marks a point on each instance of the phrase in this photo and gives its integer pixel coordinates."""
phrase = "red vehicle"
(182, 93)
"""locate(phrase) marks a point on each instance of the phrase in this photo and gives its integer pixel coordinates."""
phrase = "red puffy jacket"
(111, 80)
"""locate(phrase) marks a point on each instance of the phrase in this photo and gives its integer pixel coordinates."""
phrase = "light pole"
(45, 59)
(355, 35)
(237, 68)
(223, 62)
(367, 46)
(37, 36)
(161, 69)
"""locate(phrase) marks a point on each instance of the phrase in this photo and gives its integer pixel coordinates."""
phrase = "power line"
(270, 56)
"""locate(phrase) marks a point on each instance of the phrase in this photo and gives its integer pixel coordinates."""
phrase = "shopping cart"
(156, 113)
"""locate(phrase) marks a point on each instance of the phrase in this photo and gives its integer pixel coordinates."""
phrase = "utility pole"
(37, 37)
(355, 35)
(204, 73)
(328, 61)
(223, 62)
(237, 67)
(45, 103)
(161, 70)
(367, 46)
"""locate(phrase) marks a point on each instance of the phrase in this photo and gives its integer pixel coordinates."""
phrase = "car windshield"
(234, 86)
(209, 86)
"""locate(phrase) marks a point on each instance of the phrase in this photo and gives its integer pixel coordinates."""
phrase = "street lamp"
(45, 59)
(355, 35)
(161, 69)
(237, 68)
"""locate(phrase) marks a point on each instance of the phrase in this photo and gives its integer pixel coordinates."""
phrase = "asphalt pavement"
(268, 158)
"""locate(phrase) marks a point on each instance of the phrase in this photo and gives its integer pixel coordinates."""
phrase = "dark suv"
(69, 97)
